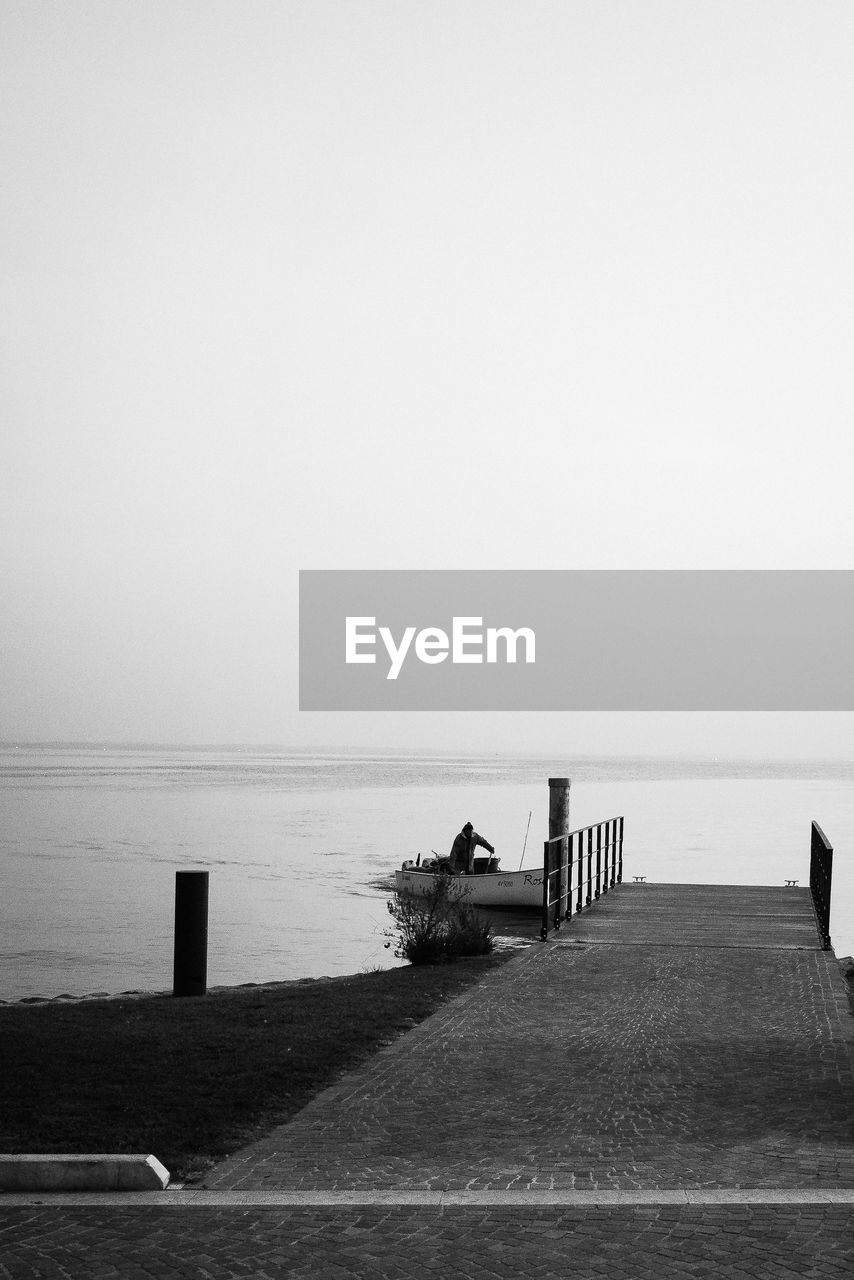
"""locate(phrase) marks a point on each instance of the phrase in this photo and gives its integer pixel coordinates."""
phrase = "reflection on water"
(301, 847)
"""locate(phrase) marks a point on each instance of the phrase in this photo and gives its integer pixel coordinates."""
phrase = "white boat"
(486, 887)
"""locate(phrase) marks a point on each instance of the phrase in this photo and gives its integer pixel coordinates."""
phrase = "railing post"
(546, 872)
(821, 880)
(612, 853)
(561, 868)
(589, 865)
(606, 882)
(566, 896)
(620, 852)
(610, 861)
(579, 879)
(599, 860)
(572, 864)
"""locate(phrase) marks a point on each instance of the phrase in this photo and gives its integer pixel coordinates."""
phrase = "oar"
(525, 845)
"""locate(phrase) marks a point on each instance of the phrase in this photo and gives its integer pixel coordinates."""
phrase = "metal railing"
(821, 875)
(581, 867)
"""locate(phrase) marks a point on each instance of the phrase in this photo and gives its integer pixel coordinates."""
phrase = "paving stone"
(617, 1066)
(632, 1066)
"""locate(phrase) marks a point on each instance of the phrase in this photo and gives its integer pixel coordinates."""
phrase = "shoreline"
(502, 946)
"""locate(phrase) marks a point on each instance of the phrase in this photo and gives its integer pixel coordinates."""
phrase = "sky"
(458, 284)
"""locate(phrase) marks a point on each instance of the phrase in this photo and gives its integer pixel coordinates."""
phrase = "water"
(300, 846)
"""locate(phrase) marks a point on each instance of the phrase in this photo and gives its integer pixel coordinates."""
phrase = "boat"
(486, 886)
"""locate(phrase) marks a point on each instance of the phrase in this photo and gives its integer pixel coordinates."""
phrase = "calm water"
(299, 845)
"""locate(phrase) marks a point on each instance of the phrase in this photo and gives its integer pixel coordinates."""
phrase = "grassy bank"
(191, 1080)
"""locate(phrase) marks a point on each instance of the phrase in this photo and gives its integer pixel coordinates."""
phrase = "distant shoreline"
(378, 752)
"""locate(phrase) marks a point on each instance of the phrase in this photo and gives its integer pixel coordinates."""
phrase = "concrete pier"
(664, 1088)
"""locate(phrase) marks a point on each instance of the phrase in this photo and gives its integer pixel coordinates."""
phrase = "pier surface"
(664, 1088)
(704, 915)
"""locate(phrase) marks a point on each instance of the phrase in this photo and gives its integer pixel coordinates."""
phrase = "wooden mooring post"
(190, 972)
(558, 807)
(558, 828)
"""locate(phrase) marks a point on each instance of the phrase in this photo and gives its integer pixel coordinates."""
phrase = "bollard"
(190, 974)
(559, 826)
(558, 807)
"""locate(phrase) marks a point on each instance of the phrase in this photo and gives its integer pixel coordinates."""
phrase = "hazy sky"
(406, 285)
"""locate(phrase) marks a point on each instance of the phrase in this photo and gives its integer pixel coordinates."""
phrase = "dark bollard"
(190, 975)
(558, 807)
(559, 826)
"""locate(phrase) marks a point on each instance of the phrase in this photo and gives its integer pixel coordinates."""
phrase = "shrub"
(438, 926)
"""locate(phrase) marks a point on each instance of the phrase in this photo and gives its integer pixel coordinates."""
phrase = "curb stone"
(82, 1173)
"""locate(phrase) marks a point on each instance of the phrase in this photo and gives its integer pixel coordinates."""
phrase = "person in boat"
(462, 850)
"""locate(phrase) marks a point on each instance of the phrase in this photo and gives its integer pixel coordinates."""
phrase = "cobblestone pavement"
(734, 1241)
(592, 1067)
(586, 1066)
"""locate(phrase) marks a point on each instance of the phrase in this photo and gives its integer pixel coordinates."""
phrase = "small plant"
(438, 926)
